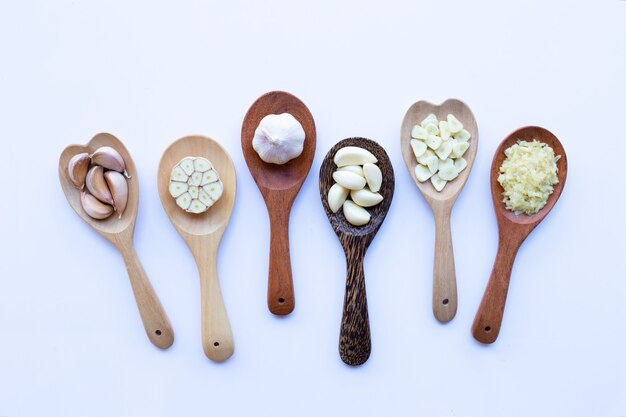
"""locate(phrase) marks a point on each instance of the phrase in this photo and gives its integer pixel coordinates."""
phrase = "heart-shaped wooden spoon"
(512, 230)
(120, 233)
(441, 202)
(203, 233)
(279, 185)
(354, 340)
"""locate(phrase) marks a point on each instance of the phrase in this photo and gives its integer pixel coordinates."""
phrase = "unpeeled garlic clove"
(357, 169)
(97, 186)
(419, 147)
(454, 124)
(119, 190)
(336, 197)
(355, 214)
(373, 176)
(349, 180)
(365, 198)
(93, 207)
(422, 173)
(77, 169)
(437, 182)
(353, 155)
(109, 158)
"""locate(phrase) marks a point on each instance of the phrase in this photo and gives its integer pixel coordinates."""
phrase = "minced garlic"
(528, 176)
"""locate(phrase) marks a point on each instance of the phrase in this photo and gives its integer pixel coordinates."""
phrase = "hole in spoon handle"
(280, 294)
(354, 341)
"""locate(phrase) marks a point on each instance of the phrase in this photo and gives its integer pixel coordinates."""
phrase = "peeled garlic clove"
(357, 169)
(460, 164)
(208, 177)
(454, 124)
(336, 197)
(183, 201)
(97, 185)
(419, 147)
(447, 171)
(422, 173)
(349, 180)
(93, 207)
(373, 176)
(433, 164)
(444, 150)
(459, 149)
(444, 131)
(279, 138)
(119, 190)
(437, 182)
(195, 179)
(418, 132)
(426, 157)
(109, 158)
(353, 155)
(433, 141)
(431, 118)
(204, 198)
(462, 136)
(214, 190)
(365, 198)
(201, 165)
(196, 207)
(77, 169)
(432, 129)
(179, 175)
(193, 191)
(178, 188)
(187, 165)
(355, 214)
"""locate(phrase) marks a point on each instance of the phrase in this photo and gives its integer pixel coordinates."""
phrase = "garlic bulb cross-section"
(195, 184)
(279, 138)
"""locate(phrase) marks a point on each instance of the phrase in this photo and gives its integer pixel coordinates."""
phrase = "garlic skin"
(77, 169)
(279, 138)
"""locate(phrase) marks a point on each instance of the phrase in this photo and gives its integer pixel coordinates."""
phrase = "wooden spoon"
(444, 276)
(120, 233)
(512, 230)
(203, 233)
(354, 340)
(279, 185)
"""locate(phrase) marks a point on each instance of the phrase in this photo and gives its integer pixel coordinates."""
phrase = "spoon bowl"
(120, 231)
(354, 340)
(279, 185)
(512, 231)
(445, 298)
(203, 233)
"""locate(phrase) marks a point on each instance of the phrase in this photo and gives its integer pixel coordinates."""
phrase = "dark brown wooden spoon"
(354, 340)
(512, 230)
(279, 185)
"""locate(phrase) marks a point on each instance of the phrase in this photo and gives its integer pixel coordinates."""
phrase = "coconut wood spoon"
(203, 233)
(441, 202)
(354, 340)
(120, 233)
(279, 185)
(512, 230)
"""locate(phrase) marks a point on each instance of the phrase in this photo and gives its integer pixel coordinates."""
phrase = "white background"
(71, 341)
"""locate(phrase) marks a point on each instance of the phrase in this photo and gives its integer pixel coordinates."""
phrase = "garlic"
(279, 138)
(109, 158)
(77, 169)
(365, 197)
(349, 180)
(119, 190)
(93, 207)
(355, 214)
(97, 186)
(373, 176)
(357, 169)
(336, 196)
(439, 146)
(353, 155)
(195, 185)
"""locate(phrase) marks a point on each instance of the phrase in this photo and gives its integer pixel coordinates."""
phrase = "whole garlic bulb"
(279, 138)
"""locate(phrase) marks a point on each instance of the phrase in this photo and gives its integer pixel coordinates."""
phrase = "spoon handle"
(444, 277)
(155, 321)
(280, 294)
(217, 336)
(355, 344)
(488, 319)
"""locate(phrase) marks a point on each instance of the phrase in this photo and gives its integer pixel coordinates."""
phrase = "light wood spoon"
(354, 341)
(120, 233)
(512, 230)
(203, 233)
(279, 185)
(444, 276)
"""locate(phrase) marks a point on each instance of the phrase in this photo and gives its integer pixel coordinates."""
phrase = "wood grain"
(203, 233)
(279, 185)
(445, 298)
(120, 233)
(354, 340)
(512, 231)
